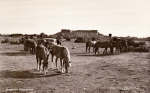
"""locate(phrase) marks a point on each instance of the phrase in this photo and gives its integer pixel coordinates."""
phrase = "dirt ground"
(89, 73)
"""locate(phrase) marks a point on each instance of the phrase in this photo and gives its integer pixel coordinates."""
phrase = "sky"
(119, 17)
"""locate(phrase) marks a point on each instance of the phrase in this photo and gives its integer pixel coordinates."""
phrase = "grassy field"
(89, 73)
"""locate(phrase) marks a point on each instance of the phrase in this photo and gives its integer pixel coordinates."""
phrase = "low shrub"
(138, 49)
(5, 41)
(14, 42)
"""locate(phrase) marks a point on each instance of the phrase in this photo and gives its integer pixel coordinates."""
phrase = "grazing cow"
(30, 45)
(90, 44)
(42, 54)
(64, 55)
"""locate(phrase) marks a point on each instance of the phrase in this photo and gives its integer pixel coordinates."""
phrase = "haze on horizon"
(119, 17)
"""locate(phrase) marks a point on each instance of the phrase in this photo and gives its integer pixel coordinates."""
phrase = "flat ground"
(129, 71)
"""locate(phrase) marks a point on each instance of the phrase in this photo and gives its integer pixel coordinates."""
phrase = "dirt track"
(88, 72)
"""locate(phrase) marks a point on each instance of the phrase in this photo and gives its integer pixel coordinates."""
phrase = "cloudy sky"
(119, 17)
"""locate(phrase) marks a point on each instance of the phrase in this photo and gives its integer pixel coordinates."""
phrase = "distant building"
(85, 34)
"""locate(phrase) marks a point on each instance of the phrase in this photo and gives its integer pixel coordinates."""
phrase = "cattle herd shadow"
(27, 74)
(20, 53)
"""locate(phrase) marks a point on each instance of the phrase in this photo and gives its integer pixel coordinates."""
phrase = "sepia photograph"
(74, 46)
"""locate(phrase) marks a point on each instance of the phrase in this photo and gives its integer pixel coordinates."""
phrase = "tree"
(43, 35)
